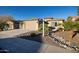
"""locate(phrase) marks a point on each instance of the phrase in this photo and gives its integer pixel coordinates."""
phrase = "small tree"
(4, 26)
(68, 25)
(46, 28)
(76, 26)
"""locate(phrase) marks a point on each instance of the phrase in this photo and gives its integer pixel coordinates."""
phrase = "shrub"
(33, 34)
(4, 26)
(68, 25)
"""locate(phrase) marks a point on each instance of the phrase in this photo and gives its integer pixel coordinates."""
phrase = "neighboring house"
(75, 18)
(29, 25)
(48, 19)
(53, 22)
(11, 25)
(8, 20)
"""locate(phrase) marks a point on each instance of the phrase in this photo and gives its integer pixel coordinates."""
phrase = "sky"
(28, 12)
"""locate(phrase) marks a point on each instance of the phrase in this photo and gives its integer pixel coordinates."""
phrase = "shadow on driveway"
(18, 45)
(33, 36)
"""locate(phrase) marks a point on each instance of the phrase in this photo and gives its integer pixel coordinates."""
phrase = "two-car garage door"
(31, 25)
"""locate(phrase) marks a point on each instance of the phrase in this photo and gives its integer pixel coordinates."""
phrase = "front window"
(54, 23)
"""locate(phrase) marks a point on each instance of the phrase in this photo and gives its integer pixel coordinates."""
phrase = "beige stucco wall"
(21, 25)
(48, 19)
(50, 23)
(11, 25)
(31, 25)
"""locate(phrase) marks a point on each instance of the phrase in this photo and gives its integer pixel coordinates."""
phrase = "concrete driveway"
(18, 45)
(9, 42)
(11, 33)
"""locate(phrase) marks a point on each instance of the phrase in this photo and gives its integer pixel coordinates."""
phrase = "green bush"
(4, 26)
(60, 29)
(68, 25)
(46, 28)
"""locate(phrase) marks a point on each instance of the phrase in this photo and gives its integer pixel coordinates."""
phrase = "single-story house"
(75, 18)
(53, 22)
(8, 20)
